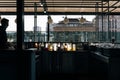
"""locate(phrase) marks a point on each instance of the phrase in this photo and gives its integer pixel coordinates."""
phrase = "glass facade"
(78, 33)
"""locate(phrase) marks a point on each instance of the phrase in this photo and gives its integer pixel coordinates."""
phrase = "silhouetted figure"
(113, 40)
(3, 34)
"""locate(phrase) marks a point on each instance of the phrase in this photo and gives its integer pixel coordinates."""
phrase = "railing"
(76, 36)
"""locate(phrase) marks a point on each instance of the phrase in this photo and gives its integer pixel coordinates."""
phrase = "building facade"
(74, 31)
(107, 27)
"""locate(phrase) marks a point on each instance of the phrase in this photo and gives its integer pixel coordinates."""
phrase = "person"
(113, 40)
(3, 34)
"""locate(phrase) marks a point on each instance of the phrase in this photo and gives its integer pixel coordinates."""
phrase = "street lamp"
(82, 20)
(50, 20)
(66, 20)
(48, 27)
(0, 18)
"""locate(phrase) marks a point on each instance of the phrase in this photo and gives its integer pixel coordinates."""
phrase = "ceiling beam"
(62, 13)
(112, 6)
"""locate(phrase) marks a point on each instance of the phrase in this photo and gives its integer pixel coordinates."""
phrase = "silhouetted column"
(35, 22)
(48, 31)
(21, 65)
(20, 24)
(102, 21)
(109, 33)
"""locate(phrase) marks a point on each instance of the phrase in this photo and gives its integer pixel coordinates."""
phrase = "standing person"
(113, 40)
(3, 34)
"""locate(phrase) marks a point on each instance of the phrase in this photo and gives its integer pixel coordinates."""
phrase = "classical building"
(74, 31)
(74, 25)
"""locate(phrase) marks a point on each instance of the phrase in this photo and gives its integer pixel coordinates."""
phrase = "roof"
(73, 20)
(63, 6)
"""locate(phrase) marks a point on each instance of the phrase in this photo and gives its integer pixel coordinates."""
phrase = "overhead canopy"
(63, 6)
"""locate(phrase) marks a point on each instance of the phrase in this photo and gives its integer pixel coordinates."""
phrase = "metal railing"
(67, 36)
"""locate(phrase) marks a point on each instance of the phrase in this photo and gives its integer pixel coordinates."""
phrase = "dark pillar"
(48, 31)
(20, 24)
(97, 23)
(115, 29)
(102, 21)
(21, 65)
(109, 33)
(35, 21)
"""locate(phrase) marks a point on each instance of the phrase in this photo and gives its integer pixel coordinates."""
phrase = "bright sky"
(41, 21)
